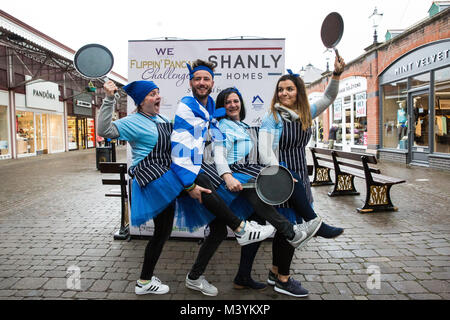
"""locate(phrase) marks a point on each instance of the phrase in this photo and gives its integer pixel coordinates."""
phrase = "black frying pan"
(274, 185)
(94, 61)
(332, 31)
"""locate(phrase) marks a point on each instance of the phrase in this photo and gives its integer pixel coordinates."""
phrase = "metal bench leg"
(344, 186)
(322, 177)
(378, 198)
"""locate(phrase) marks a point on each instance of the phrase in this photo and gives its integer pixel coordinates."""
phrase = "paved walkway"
(54, 218)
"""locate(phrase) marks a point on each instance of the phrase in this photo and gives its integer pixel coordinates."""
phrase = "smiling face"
(202, 84)
(151, 102)
(233, 106)
(287, 93)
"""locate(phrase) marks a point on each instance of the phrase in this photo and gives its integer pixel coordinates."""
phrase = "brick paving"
(54, 216)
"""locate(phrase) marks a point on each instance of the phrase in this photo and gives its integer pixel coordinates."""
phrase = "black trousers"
(248, 252)
(215, 204)
(163, 227)
(269, 213)
(282, 251)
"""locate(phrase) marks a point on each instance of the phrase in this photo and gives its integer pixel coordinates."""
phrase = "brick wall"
(376, 60)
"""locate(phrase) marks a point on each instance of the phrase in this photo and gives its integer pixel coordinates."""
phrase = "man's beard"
(196, 94)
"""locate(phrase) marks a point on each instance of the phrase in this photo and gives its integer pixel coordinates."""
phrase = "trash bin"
(103, 154)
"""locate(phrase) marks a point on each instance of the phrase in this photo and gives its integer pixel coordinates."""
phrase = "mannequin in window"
(402, 124)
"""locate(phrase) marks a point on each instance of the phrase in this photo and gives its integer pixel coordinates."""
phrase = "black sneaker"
(247, 282)
(292, 288)
(272, 278)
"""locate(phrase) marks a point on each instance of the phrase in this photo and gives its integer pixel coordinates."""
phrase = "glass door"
(420, 126)
(81, 126)
(347, 124)
(38, 122)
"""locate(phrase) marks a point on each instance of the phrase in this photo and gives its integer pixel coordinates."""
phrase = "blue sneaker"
(241, 282)
(272, 278)
(292, 288)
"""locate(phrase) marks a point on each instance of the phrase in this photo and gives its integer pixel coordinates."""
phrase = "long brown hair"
(302, 107)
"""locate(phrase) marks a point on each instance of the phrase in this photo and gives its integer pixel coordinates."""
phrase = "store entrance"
(82, 133)
(419, 136)
(41, 121)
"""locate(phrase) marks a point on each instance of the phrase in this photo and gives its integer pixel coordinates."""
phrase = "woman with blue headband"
(283, 135)
(154, 187)
(236, 162)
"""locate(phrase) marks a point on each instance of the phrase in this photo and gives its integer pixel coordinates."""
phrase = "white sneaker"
(254, 232)
(155, 286)
(202, 285)
(305, 231)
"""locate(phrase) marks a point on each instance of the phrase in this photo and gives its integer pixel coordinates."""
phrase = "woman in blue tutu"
(236, 162)
(154, 186)
(284, 133)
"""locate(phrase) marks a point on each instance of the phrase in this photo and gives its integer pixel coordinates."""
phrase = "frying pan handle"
(116, 93)
(337, 54)
(249, 185)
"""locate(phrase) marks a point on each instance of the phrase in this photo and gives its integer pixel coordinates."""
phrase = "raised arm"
(331, 91)
(105, 127)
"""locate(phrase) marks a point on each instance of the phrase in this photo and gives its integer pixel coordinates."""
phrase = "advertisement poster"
(253, 66)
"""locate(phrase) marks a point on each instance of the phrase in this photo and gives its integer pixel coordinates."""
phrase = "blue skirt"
(192, 215)
(148, 202)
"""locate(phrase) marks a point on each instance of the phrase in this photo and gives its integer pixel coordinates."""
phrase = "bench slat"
(117, 182)
(112, 167)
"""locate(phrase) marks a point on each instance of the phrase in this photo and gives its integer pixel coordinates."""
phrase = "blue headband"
(191, 72)
(234, 89)
(292, 74)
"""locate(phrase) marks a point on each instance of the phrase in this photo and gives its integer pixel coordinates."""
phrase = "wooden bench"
(347, 166)
(121, 168)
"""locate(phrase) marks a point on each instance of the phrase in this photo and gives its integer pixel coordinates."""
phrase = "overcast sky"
(113, 23)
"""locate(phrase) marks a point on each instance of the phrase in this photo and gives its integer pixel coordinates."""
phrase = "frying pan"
(94, 61)
(274, 185)
(332, 31)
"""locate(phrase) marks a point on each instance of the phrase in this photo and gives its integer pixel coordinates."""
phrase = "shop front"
(80, 124)
(415, 107)
(39, 120)
(349, 115)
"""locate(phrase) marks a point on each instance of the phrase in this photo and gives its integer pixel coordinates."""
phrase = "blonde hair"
(301, 107)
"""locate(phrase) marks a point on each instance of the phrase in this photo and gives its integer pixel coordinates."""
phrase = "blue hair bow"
(292, 74)
(235, 90)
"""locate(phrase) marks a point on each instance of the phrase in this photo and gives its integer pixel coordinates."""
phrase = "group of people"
(194, 168)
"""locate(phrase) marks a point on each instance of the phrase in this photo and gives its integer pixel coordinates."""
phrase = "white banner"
(360, 100)
(253, 66)
(337, 109)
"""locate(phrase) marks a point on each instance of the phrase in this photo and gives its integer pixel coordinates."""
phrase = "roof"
(39, 39)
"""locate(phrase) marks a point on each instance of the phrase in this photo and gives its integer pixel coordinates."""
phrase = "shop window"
(4, 128)
(56, 133)
(420, 80)
(72, 132)
(90, 133)
(442, 111)
(394, 120)
(360, 119)
(25, 132)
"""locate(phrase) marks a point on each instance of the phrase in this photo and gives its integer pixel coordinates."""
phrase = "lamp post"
(375, 18)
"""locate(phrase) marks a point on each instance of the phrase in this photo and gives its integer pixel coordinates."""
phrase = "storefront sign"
(43, 95)
(253, 66)
(425, 58)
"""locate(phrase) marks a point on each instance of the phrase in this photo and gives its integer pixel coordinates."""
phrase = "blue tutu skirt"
(148, 202)
(192, 215)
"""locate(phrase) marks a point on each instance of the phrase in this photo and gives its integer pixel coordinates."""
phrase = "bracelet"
(190, 188)
(337, 73)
